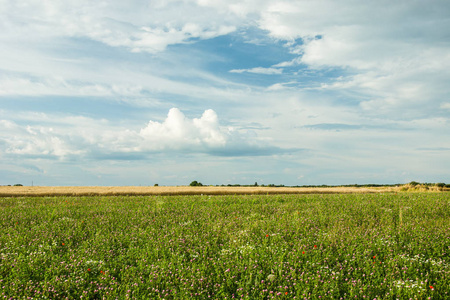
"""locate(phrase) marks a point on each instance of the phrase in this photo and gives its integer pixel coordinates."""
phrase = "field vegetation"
(312, 246)
(197, 188)
(14, 191)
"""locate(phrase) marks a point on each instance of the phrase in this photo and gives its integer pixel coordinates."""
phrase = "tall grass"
(355, 246)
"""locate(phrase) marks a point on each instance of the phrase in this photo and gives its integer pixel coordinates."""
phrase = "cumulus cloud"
(177, 132)
(99, 139)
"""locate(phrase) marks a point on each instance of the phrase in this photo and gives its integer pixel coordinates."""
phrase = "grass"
(318, 246)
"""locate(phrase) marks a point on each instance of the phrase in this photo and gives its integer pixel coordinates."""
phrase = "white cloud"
(259, 70)
(139, 26)
(386, 51)
(18, 85)
(179, 132)
(80, 137)
(276, 87)
(393, 50)
(35, 141)
(445, 105)
(293, 62)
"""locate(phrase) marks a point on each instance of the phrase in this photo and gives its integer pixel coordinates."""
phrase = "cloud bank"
(89, 138)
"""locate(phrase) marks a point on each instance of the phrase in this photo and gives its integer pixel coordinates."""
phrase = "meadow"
(314, 246)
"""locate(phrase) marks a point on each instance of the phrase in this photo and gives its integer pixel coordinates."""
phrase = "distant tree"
(414, 183)
(440, 184)
(196, 183)
(18, 184)
(156, 184)
(256, 184)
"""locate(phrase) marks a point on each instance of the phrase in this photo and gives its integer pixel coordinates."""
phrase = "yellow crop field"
(6, 191)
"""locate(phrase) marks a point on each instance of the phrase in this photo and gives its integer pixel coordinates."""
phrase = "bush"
(196, 183)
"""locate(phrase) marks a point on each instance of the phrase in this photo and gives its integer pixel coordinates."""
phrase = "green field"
(354, 246)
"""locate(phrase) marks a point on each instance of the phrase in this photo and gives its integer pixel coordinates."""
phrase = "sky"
(301, 92)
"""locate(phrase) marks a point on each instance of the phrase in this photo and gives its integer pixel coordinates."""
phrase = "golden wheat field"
(6, 191)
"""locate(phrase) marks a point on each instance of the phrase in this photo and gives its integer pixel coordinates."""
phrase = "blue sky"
(223, 92)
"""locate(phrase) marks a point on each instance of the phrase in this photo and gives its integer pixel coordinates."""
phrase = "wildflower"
(374, 257)
(267, 235)
(431, 287)
(286, 293)
(63, 244)
(89, 269)
(303, 252)
(315, 246)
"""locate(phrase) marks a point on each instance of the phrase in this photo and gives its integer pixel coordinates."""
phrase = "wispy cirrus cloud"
(391, 58)
(148, 27)
(259, 70)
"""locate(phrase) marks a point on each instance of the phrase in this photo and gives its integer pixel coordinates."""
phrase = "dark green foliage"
(195, 183)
